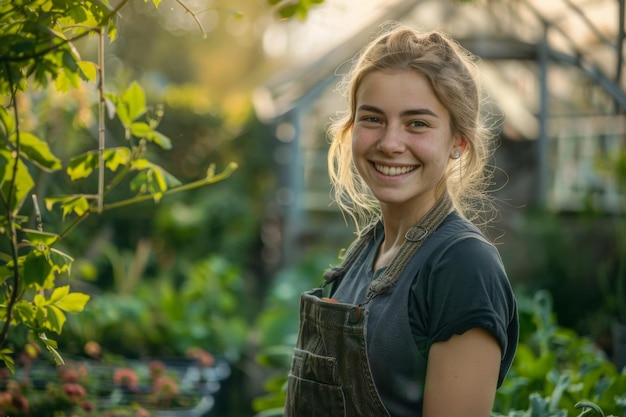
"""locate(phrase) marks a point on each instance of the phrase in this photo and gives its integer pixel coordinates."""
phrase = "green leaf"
(160, 139)
(71, 302)
(131, 104)
(88, 70)
(7, 121)
(140, 129)
(60, 261)
(25, 313)
(78, 204)
(589, 408)
(152, 179)
(7, 359)
(6, 272)
(35, 237)
(37, 270)
(55, 319)
(288, 11)
(37, 151)
(23, 181)
(83, 165)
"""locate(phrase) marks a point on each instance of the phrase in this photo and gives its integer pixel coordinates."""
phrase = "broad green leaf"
(8, 122)
(37, 270)
(40, 301)
(73, 303)
(37, 151)
(88, 70)
(40, 315)
(65, 80)
(6, 272)
(160, 139)
(59, 293)
(61, 261)
(35, 237)
(140, 129)
(55, 319)
(131, 104)
(23, 181)
(25, 312)
(78, 204)
(83, 165)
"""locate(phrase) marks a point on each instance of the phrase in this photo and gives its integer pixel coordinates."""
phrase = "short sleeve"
(464, 286)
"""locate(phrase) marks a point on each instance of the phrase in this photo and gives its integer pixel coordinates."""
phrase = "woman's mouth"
(393, 171)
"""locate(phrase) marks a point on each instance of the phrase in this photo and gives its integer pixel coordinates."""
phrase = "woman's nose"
(391, 140)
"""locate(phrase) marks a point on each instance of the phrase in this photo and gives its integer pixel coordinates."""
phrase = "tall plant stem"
(101, 115)
(14, 290)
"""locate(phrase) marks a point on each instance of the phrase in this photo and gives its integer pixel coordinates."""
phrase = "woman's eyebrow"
(419, 112)
(410, 112)
(370, 108)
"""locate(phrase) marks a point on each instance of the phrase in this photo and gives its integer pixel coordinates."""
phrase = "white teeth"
(392, 171)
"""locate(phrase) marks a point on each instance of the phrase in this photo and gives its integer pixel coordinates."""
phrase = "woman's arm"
(462, 375)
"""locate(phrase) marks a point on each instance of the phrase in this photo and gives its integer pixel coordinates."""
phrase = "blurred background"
(222, 267)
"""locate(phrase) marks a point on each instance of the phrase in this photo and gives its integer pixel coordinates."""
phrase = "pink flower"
(157, 368)
(75, 392)
(20, 403)
(88, 406)
(203, 358)
(6, 398)
(165, 387)
(68, 375)
(142, 412)
(72, 372)
(126, 377)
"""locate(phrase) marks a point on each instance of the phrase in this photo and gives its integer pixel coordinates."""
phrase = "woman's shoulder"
(458, 237)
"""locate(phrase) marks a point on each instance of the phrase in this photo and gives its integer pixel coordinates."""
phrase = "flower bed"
(181, 387)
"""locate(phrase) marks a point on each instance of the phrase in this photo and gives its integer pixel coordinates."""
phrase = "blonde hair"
(453, 75)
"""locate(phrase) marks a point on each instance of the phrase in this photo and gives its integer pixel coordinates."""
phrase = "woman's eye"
(370, 119)
(417, 123)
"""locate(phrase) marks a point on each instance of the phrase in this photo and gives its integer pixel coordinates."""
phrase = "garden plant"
(39, 60)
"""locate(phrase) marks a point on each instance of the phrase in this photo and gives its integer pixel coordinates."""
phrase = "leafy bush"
(554, 369)
(163, 317)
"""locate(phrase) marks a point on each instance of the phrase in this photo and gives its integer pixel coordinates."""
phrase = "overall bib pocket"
(313, 380)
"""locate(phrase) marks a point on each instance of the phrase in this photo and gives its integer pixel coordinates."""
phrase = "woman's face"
(401, 139)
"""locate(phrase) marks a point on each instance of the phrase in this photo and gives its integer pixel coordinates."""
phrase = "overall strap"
(414, 238)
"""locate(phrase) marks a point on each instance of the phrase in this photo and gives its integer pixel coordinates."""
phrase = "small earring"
(457, 154)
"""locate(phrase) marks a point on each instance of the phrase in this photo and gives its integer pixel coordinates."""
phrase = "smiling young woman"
(419, 319)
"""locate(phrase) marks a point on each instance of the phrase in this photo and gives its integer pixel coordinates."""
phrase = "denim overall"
(330, 373)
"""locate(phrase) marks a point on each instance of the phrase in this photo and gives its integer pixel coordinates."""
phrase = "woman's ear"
(458, 147)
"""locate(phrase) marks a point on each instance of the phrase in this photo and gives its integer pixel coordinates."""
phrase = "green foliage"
(164, 316)
(288, 9)
(37, 53)
(36, 42)
(555, 369)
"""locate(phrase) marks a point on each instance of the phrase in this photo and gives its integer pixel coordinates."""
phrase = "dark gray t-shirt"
(455, 282)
